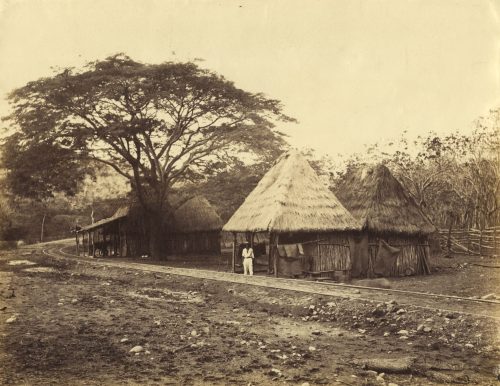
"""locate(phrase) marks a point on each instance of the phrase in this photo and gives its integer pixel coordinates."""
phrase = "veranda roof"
(119, 214)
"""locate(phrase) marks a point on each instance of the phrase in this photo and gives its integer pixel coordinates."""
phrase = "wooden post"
(481, 242)
(468, 240)
(495, 252)
(77, 242)
(93, 244)
(233, 262)
(276, 256)
(270, 253)
(448, 242)
(318, 263)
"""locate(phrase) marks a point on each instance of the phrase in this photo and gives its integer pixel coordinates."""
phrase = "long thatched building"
(394, 241)
(195, 228)
(308, 227)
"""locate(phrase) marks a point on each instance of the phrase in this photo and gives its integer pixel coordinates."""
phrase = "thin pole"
(233, 262)
(270, 253)
(276, 256)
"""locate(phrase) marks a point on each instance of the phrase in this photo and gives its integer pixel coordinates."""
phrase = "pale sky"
(352, 72)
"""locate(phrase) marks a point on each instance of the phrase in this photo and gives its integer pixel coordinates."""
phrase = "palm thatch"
(381, 203)
(291, 198)
(196, 215)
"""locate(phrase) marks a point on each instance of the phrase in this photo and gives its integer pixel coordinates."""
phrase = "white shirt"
(248, 253)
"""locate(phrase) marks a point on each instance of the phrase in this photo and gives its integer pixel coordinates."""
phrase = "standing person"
(248, 257)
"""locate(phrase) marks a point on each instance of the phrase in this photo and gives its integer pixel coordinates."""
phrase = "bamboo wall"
(323, 253)
(413, 250)
(484, 242)
(193, 243)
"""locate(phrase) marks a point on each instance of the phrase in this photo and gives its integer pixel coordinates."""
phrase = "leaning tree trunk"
(42, 230)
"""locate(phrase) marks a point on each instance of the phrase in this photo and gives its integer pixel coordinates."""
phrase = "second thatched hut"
(196, 228)
(394, 241)
(308, 228)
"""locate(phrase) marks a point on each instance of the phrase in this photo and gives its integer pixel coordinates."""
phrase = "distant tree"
(156, 125)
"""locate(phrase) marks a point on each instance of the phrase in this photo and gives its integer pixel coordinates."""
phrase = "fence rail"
(472, 241)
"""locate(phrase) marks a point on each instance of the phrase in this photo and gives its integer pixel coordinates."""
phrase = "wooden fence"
(472, 241)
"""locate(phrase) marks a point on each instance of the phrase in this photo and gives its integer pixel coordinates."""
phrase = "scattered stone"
(450, 315)
(316, 332)
(275, 372)
(387, 333)
(136, 349)
(401, 311)
(206, 330)
(403, 332)
(124, 340)
(389, 365)
(74, 301)
(420, 327)
(356, 291)
(469, 345)
(427, 329)
(12, 319)
(194, 333)
(312, 348)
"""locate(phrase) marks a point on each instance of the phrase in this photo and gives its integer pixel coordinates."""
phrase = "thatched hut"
(308, 227)
(394, 241)
(196, 228)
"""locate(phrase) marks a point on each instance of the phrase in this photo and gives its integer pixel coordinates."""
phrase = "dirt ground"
(68, 322)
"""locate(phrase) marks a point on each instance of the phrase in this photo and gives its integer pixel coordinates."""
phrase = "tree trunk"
(156, 235)
(42, 230)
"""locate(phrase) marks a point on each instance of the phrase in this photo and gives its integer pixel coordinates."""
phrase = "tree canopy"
(157, 125)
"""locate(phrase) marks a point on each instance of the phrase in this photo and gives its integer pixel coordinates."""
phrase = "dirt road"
(76, 323)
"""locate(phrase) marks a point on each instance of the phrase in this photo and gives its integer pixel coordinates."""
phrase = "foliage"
(454, 178)
(156, 125)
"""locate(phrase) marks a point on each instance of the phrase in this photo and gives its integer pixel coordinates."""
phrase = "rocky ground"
(73, 323)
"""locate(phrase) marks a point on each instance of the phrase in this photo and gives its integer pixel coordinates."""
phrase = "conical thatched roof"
(196, 214)
(291, 198)
(379, 201)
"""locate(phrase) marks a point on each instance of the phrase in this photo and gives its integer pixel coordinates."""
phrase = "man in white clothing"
(248, 257)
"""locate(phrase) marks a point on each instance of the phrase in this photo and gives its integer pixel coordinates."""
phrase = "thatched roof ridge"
(120, 213)
(291, 198)
(196, 215)
(377, 199)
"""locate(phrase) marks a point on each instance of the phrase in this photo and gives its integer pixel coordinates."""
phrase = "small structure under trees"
(308, 228)
(195, 228)
(394, 241)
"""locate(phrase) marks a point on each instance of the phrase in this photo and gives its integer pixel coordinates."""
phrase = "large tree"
(155, 124)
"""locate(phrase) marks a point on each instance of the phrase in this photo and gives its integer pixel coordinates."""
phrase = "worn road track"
(435, 302)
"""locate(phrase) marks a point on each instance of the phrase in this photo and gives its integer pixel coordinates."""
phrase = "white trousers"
(248, 266)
